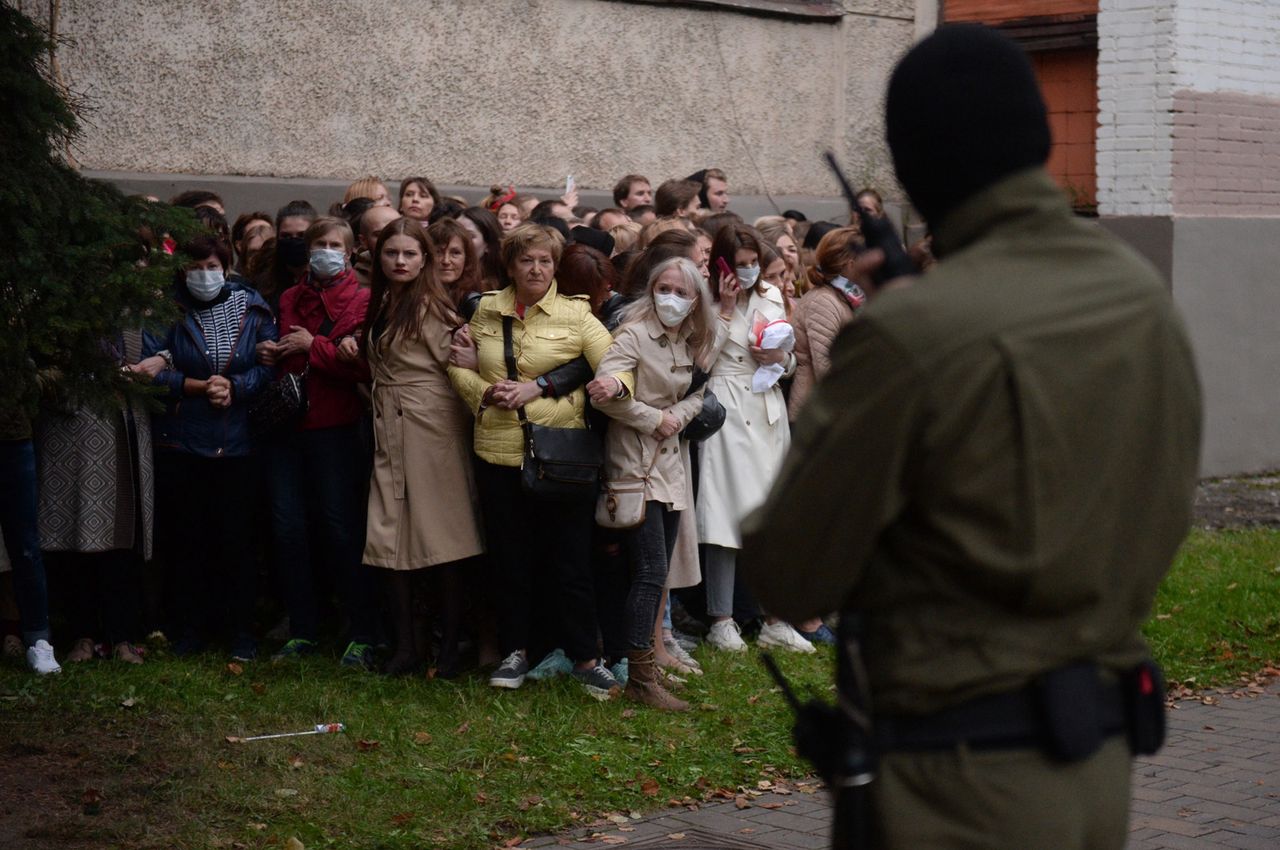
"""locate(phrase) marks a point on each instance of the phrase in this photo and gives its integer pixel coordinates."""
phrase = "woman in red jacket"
(319, 472)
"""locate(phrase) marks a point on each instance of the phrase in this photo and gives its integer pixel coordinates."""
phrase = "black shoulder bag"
(283, 403)
(559, 463)
(710, 417)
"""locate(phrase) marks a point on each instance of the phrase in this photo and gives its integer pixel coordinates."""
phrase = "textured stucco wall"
(473, 92)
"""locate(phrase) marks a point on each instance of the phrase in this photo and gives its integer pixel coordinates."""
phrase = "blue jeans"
(22, 537)
(319, 498)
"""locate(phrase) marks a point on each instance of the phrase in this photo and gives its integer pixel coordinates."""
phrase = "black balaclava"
(963, 110)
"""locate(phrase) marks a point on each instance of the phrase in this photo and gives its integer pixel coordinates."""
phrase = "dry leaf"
(513, 841)
(482, 797)
(235, 669)
(613, 839)
(649, 787)
(422, 737)
(295, 763)
(740, 802)
(233, 739)
(129, 703)
(260, 827)
(463, 729)
(617, 818)
(364, 746)
(628, 713)
(402, 818)
(286, 792)
(529, 802)
(770, 805)
(258, 688)
(676, 836)
(294, 844)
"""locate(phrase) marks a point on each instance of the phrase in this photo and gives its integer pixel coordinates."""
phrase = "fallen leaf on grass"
(364, 746)
(402, 818)
(529, 802)
(628, 713)
(235, 669)
(463, 729)
(286, 792)
(258, 688)
(649, 787)
(617, 818)
(295, 763)
(258, 827)
(481, 797)
(92, 801)
(128, 703)
(422, 738)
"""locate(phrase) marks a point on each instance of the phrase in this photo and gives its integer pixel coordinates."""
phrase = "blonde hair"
(660, 225)
(625, 236)
(364, 188)
(527, 237)
(703, 315)
(326, 223)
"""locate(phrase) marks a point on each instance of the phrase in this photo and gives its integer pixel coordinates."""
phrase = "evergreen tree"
(76, 267)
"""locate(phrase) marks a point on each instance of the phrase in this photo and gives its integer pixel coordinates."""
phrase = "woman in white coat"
(737, 464)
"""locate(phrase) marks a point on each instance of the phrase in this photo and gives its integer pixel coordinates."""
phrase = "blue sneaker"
(821, 635)
(555, 664)
(622, 672)
(296, 648)
(358, 655)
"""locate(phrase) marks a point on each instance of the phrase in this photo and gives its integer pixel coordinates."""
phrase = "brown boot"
(644, 683)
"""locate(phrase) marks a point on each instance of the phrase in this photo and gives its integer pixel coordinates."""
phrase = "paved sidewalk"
(1216, 783)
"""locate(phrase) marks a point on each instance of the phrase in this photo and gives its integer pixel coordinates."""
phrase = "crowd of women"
(519, 435)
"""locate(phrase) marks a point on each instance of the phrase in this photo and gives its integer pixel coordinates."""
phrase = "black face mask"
(292, 251)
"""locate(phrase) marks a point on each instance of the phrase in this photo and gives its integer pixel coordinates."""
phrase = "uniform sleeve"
(620, 362)
(841, 484)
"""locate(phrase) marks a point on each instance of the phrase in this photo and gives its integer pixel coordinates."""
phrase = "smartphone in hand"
(724, 267)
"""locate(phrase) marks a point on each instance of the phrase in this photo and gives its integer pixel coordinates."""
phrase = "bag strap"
(508, 354)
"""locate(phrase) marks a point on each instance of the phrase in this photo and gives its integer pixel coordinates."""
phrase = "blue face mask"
(205, 284)
(747, 276)
(327, 262)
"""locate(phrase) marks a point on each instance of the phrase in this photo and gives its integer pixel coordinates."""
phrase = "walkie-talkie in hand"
(876, 232)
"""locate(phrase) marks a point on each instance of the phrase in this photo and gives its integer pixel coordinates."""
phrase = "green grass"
(1217, 615)
(456, 764)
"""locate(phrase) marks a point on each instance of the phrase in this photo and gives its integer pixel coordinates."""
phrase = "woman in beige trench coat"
(422, 499)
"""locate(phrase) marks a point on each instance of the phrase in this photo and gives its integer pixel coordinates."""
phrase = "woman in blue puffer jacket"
(205, 475)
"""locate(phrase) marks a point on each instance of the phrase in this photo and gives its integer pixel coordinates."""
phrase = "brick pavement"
(1216, 783)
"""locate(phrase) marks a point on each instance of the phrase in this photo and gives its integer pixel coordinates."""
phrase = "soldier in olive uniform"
(996, 473)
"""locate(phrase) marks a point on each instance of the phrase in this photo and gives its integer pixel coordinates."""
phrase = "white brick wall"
(1136, 40)
(1228, 45)
(1149, 50)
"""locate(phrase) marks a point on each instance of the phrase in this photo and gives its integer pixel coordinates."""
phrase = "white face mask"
(747, 276)
(204, 284)
(327, 262)
(671, 308)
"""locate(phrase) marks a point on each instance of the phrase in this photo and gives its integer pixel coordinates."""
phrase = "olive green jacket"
(999, 467)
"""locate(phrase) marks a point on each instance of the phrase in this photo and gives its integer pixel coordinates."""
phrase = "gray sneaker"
(511, 672)
(598, 681)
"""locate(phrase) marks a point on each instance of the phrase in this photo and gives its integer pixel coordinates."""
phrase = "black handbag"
(283, 404)
(710, 417)
(559, 463)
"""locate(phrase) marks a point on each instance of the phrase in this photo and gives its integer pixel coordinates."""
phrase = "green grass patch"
(439, 764)
(1217, 615)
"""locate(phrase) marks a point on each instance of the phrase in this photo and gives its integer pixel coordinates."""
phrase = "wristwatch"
(544, 385)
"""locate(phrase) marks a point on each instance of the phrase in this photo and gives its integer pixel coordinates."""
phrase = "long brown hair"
(441, 234)
(395, 313)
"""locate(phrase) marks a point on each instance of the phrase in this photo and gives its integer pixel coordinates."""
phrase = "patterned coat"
(95, 475)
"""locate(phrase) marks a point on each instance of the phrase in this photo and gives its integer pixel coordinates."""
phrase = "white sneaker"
(783, 636)
(40, 658)
(726, 635)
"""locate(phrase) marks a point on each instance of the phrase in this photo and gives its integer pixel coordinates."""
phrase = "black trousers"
(532, 539)
(100, 592)
(214, 574)
(649, 547)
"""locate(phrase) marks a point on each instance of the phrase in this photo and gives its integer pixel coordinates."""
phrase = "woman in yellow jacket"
(527, 535)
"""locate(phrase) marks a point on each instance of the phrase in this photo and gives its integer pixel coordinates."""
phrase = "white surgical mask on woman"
(747, 276)
(327, 262)
(205, 284)
(671, 308)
